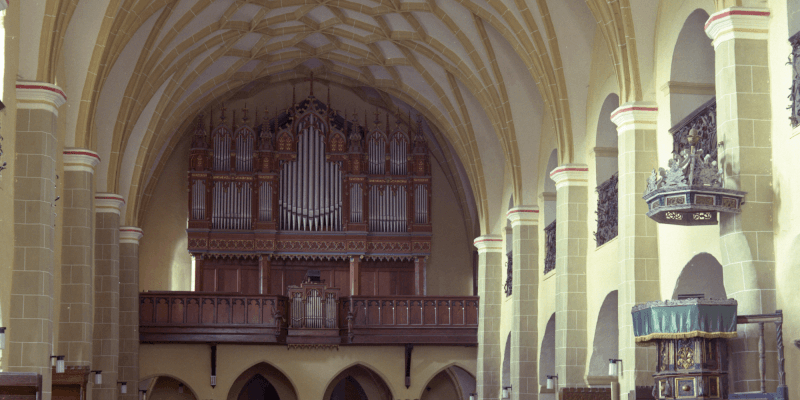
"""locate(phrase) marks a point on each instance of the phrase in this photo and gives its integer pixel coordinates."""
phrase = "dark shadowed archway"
(258, 388)
(701, 275)
(262, 382)
(357, 383)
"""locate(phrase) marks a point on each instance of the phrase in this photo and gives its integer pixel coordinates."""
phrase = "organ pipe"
(240, 178)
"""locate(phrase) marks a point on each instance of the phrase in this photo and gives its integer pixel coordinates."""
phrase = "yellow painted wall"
(310, 371)
(164, 262)
(786, 191)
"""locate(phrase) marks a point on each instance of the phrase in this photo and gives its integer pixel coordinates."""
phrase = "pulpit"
(692, 352)
(692, 336)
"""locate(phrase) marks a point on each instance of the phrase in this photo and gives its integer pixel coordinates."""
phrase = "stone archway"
(357, 383)
(262, 382)
(258, 388)
(701, 275)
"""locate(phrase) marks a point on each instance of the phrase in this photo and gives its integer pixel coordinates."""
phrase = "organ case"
(307, 183)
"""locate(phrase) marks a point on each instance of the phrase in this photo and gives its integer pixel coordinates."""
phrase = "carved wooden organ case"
(309, 184)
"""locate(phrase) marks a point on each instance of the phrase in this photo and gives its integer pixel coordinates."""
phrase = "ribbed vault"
(156, 63)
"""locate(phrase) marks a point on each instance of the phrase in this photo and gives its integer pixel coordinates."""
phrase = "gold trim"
(686, 335)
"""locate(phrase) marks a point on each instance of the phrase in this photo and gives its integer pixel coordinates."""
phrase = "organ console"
(308, 188)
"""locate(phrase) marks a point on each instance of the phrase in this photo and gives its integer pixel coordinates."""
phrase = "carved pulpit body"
(691, 338)
(307, 182)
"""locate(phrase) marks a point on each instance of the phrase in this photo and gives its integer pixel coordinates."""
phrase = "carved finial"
(234, 120)
(397, 121)
(294, 97)
(329, 94)
(200, 120)
(693, 137)
(244, 111)
(377, 115)
(222, 112)
(255, 118)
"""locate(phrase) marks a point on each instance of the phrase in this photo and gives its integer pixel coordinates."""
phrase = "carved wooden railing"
(211, 317)
(550, 247)
(509, 286)
(794, 94)
(411, 319)
(585, 394)
(607, 210)
(704, 119)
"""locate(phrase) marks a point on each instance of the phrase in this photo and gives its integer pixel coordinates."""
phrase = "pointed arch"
(283, 386)
(374, 385)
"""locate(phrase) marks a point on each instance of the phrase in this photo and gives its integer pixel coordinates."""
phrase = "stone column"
(30, 331)
(106, 294)
(490, 285)
(525, 303)
(571, 241)
(744, 125)
(638, 245)
(129, 310)
(76, 318)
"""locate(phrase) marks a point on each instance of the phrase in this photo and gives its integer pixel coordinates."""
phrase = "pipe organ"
(307, 183)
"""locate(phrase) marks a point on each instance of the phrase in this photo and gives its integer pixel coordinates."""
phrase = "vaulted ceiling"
(485, 74)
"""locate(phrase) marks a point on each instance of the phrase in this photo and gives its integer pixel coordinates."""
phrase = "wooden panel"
(146, 310)
(458, 313)
(227, 280)
(387, 312)
(238, 311)
(278, 287)
(177, 311)
(223, 311)
(429, 312)
(162, 310)
(66, 392)
(250, 283)
(405, 283)
(384, 286)
(415, 312)
(209, 280)
(443, 312)
(209, 311)
(342, 279)
(192, 311)
(373, 312)
(401, 312)
(254, 311)
(368, 279)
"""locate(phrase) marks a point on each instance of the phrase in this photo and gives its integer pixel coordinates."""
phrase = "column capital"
(489, 244)
(523, 215)
(108, 203)
(570, 175)
(40, 96)
(130, 234)
(80, 160)
(738, 23)
(635, 115)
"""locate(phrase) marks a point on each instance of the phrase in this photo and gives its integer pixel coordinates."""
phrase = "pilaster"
(30, 334)
(571, 240)
(743, 125)
(525, 302)
(106, 294)
(638, 246)
(128, 370)
(490, 274)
